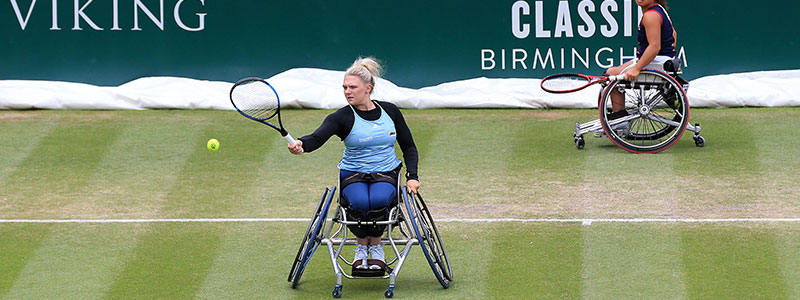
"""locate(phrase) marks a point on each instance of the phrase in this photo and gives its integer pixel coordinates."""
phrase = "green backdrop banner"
(422, 43)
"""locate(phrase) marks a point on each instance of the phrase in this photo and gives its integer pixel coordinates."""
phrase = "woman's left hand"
(412, 186)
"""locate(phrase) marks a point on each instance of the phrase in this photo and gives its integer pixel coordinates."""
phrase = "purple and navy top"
(667, 39)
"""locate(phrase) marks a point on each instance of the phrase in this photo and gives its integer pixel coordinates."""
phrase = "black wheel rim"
(311, 240)
(429, 239)
(666, 101)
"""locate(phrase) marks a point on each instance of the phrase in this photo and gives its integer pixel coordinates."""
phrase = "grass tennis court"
(473, 164)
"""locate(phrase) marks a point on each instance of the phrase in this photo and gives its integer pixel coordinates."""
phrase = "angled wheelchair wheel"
(311, 238)
(656, 112)
(429, 239)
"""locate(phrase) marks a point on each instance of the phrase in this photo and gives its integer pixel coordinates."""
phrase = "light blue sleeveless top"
(369, 147)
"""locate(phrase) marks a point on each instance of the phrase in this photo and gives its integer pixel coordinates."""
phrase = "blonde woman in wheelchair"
(369, 168)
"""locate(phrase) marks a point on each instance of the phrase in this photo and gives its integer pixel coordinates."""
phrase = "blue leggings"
(368, 196)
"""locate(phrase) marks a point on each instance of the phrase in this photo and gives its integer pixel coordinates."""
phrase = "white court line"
(243, 220)
(499, 220)
(635, 220)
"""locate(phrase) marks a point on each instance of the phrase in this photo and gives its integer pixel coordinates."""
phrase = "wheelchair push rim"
(429, 239)
(311, 238)
(657, 112)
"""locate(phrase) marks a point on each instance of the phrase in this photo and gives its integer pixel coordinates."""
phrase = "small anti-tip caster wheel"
(389, 292)
(579, 142)
(699, 141)
(337, 291)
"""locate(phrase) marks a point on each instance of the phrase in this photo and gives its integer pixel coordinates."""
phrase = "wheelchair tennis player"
(369, 169)
(656, 39)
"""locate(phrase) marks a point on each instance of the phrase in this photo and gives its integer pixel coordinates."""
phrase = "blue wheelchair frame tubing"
(321, 219)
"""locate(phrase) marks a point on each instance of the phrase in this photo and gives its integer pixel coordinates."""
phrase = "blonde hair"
(366, 68)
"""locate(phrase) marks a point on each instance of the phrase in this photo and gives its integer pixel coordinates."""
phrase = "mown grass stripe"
(472, 269)
(270, 180)
(242, 268)
(778, 161)
(633, 262)
(543, 262)
(53, 176)
(730, 165)
(45, 182)
(14, 149)
(542, 164)
(459, 148)
(732, 263)
(74, 262)
(193, 251)
(423, 131)
(18, 244)
(630, 262)
(788, 250)
(261, 252)
(127, 182)
(140, 168)
(169, 261)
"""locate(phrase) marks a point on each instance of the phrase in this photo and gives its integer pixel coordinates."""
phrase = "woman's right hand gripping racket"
(567, 83)
(257, 100)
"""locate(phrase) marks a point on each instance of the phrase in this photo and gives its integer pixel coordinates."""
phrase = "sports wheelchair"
(656, 111)
(409, 223)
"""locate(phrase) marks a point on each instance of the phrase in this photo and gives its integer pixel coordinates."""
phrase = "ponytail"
(366, 68)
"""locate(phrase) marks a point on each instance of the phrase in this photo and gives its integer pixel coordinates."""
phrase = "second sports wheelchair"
(409, 223)
(655, 116)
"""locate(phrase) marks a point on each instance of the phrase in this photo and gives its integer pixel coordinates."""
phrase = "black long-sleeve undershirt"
(340, 123)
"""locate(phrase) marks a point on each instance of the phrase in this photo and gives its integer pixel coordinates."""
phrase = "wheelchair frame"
(415, 225)
(654, 94)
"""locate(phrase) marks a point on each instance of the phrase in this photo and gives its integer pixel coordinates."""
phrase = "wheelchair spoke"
(653, 100)
(653, 129)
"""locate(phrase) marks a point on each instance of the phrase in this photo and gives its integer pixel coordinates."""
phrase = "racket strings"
(566, 83)
(255, 99)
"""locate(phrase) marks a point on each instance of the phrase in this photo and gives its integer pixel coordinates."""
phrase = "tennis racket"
(568, 83)
(257, 100)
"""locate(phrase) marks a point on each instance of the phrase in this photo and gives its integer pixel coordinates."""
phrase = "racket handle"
(289, 139)
(616, 77)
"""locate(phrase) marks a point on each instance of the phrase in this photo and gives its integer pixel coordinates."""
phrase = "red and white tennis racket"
(568, 83)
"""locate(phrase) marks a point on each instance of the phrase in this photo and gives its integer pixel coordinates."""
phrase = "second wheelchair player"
(369, 168)
(656, 39)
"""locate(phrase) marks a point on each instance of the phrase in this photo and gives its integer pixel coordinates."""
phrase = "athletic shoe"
(376, 252)
(622, 129)
(361, 254)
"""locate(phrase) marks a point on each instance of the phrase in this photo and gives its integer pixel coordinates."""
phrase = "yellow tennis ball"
(213, 144)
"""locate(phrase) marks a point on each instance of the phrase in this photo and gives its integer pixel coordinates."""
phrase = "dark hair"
(663, 3)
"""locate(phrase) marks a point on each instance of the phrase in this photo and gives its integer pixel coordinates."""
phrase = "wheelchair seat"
(673, 66)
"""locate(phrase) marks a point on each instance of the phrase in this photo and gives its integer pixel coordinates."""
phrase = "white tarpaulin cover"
(316, 88)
